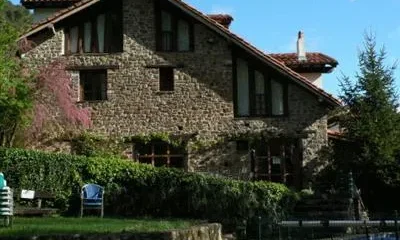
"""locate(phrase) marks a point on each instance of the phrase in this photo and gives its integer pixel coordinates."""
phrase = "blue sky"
(334, 27)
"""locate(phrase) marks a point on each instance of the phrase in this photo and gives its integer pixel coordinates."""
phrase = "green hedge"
(137, 189)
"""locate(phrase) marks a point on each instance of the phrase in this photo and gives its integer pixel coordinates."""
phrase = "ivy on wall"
(173, 140)
(206, 144)
(92, 145)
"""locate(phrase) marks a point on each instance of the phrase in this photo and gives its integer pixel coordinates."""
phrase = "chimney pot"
(301, 51)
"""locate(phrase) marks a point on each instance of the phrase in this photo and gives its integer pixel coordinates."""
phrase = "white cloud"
(219, 9)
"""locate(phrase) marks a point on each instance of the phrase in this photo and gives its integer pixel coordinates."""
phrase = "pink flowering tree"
(55, 112)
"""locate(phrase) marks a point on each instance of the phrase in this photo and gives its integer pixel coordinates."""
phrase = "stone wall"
(203, 232)
(201, 103)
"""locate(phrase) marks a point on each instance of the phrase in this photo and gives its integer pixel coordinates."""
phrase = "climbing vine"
(205, 144)
(92, 145)
(175, 141)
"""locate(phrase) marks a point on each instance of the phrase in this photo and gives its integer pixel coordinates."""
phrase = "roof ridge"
(313, 57)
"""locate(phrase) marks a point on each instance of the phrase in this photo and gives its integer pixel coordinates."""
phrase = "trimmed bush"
(134, 189)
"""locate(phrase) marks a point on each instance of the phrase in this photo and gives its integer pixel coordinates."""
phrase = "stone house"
(161, 66)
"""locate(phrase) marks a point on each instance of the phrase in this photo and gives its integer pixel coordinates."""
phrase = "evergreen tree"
(371, 106)
(370, 118)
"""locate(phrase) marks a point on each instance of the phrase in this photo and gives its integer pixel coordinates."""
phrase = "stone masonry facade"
(202, 101)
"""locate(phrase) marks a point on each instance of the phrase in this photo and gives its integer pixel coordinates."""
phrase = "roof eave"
(60, 17)
(313, 68)
(34, 5)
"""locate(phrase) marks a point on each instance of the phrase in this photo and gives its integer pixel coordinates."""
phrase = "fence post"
(259, 227)
(279, 232)
(366, 229)
(351, 184)
(396, 224)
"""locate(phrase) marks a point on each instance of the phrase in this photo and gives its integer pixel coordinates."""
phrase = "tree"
(32, 102)
(15, 97)
(16, 15)
(371, 105)
(371, 119)
(55, 112)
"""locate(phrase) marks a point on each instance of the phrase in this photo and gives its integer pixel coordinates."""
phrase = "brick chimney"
(223, 19)
(301, 50)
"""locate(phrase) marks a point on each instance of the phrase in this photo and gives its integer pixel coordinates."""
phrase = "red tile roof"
(336, 135)
(223, 19)
(49, 1)
(273, 62)
(313, 58)
(59, 15)
(55, 3)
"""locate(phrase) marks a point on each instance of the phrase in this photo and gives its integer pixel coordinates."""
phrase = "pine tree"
(371, 106)
(370, 119)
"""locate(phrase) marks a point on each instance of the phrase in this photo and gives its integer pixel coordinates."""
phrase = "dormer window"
(101, 33)
(174, 32)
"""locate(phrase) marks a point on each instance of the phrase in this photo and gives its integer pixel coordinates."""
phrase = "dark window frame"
(287, 150)
(166, 77)
(153, 154)
(84, 81)
(269, 75)
(176, 16)
(113, 30)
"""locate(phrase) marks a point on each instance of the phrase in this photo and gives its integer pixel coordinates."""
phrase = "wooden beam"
(97, 67)
(165, 65)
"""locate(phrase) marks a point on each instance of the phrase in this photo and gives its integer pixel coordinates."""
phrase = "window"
(160, 154)
(258, 94)
(243, 92)
(174, 33)
(98, 34)
(93, 85)
(275, 159)
(166, 79)
(277, 98)
(260, 100)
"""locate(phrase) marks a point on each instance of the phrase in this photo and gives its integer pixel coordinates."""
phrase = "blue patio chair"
(92, 198)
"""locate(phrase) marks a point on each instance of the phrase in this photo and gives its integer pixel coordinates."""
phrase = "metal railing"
(261, 229)
(340, 229)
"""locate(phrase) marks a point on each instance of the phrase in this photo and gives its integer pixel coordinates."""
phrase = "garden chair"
(92, 198)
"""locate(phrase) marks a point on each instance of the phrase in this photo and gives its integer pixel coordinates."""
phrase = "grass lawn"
(60, 225)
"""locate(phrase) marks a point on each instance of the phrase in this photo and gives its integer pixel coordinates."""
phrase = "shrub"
(134, 189)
